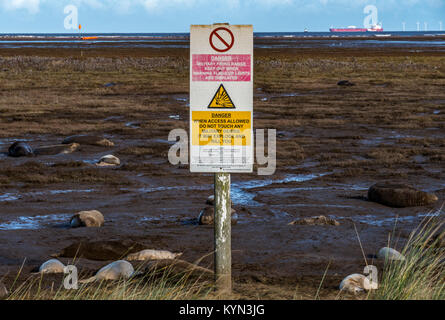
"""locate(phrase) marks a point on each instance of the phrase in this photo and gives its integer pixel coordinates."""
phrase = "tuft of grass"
(421, 276)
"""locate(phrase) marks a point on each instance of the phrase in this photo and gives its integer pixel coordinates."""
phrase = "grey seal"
(89, 140)
(108, 160)
(355, 283)
(399, 195)
(150, 254)
(91, 218)
(113, 271)
(56, 149)
(20, 149)
(52, 266)
(207, 216)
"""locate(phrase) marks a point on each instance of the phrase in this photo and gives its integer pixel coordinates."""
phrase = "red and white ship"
(374, 28)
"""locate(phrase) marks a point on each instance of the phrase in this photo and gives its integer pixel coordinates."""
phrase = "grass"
(161, 284)
(421, 276)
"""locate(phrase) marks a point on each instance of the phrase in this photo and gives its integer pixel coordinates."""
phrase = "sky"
(153, 16)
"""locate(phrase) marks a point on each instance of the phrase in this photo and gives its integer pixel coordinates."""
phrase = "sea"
(419, 39)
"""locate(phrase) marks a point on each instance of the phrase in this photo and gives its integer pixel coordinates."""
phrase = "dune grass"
(160, 284)
(421, 276)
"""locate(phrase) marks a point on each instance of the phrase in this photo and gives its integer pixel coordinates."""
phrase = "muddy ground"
(333, 143)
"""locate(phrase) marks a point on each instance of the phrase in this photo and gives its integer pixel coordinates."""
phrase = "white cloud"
(31, 5)
(125, 6)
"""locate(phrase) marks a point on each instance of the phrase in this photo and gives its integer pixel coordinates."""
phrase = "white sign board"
(221, 98)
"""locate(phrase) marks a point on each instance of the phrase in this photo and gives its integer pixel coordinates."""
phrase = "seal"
(207, 216)
(52, 266)
(91, 218)
(399, 195)
(355, 283)
(108, 160)
(56, 149)
(20, 149)
(149, 254)
(320, 220)
(113, 271)
(389, 254)
(345, 83)
(109, 250)
(89, 140)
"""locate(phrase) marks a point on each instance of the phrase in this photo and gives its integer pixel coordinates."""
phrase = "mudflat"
(333, 143)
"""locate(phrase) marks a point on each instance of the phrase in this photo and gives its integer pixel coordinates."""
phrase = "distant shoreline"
(300, 41)
(61, 37)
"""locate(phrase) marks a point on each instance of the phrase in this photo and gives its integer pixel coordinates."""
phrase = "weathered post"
(223, 237)
(221, 122)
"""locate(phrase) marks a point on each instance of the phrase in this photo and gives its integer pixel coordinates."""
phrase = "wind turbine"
(404, 26)
(418, 26)
(426, 26)
(440, 25)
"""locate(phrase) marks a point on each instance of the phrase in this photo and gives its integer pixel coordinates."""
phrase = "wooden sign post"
(221, 120)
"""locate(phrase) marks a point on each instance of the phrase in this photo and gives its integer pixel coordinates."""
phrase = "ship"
(374, 28)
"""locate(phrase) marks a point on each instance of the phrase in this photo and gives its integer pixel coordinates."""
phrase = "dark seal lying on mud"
(399, 195)
(345, 83)
(101, 250)
(20, 149)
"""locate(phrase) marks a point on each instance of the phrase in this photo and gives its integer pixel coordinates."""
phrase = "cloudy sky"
(38, 16)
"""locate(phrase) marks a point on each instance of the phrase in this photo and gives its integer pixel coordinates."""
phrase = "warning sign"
(222, 67)
(221, 128)
(221, 99)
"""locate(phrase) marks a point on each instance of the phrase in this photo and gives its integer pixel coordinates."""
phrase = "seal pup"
(20, 149)
(89, 140)
(52, 266)
(91, 218)
(207, 216)
(355, 283)
(150, 254)
(113, 271)
(56, 149)
(389, 254)
(399, 195)
(108, 160)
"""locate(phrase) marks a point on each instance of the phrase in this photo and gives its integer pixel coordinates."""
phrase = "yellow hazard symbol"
(222, 99)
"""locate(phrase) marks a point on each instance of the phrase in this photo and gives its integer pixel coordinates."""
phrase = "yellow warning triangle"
(222, 99)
